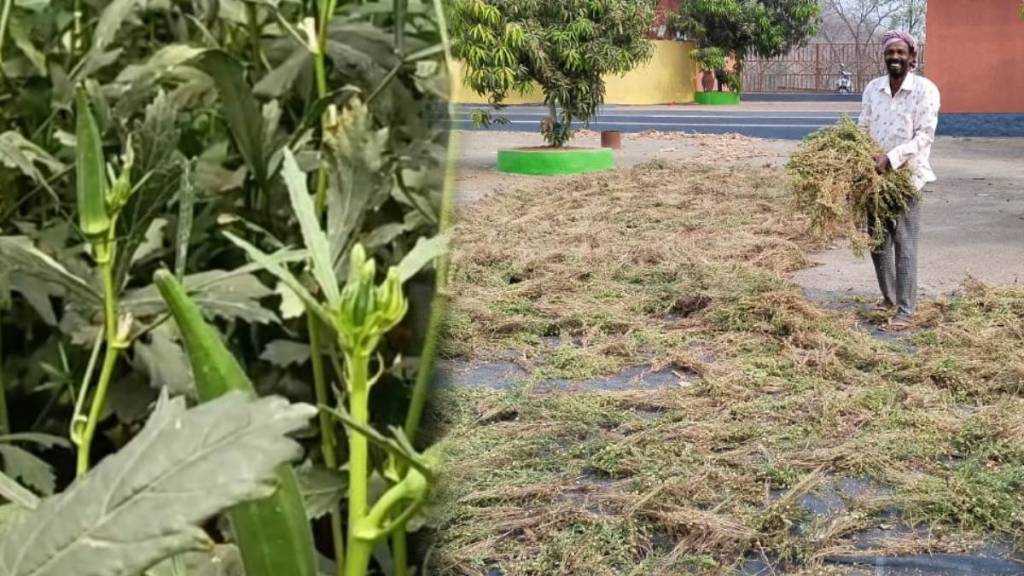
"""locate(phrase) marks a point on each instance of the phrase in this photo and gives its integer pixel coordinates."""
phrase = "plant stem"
(105, 255)
(424, 375)
(400, 551)
(320, 69)
(4, 19)
(252, 19)
(358, 465)
(5, 425)
(328, 440)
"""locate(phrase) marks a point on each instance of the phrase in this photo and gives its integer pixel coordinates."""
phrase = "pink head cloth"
(900, 36)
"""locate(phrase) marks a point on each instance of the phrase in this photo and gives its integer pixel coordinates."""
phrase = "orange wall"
(976, 54)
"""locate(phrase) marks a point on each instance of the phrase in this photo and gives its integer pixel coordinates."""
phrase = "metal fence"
(817, 67)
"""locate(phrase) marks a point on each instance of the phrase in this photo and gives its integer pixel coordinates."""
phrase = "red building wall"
(976, 55)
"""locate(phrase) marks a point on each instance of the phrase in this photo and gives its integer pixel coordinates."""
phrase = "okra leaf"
(143, 504)
(284, 275)
(20, 257)
(165, 361)
(25, 156)
(218, 293)
(321, 488)
(32, 470)
(16, 493)
(309, 224)
(280, 80)
(222, 560)
(240, 108)
(284, 353)
(423, 253)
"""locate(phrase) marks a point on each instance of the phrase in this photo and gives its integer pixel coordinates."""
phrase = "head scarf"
(900, 36)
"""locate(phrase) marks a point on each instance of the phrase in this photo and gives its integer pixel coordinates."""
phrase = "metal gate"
(817, 67)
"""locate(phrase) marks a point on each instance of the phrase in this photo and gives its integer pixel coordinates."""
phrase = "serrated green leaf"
(309, 224)
(222, 560)
(218, 293)
(20, 256)
(322, 489)
(21, 39)
(284, 353)
(16, 493)
(44, 440)
(152, 240)
(21, 154)
(291, 304)
(29, 468)
(111, 19)
(183, 467)
(283, 275)
(240, 108)
(280, 80)
(160, 63)
(383, 234)
(422, 254)
(165, 361)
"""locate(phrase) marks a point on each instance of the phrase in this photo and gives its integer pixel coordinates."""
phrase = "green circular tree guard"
(555, 161)
(718, 98)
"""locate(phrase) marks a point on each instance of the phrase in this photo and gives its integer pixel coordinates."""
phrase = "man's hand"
(881, 163)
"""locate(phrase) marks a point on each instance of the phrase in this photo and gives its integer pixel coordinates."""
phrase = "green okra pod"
(90, 171)
(273, 534)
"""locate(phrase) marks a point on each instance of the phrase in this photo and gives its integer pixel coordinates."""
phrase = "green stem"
(399, 538)
(5, 425)
(4, 19)
(252, 19)
(358, 465)
(105, 254)
(400, 551)
(328, 439)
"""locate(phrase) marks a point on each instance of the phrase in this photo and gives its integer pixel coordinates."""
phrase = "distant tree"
(567, 47)
(863, 21)
(766, 28)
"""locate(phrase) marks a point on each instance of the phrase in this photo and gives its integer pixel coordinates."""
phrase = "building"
(976, 57)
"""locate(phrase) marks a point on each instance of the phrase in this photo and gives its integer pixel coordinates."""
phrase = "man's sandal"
(882, 305)
(899, 325)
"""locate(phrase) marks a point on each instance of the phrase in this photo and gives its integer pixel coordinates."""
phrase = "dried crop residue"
(711, 148)
(684, 265)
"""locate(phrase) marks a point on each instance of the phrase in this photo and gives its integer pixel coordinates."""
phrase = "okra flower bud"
(368, 311)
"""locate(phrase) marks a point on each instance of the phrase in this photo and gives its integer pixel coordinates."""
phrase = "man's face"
(897, 58)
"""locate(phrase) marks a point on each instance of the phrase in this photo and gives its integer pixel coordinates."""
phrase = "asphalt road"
(773, 124)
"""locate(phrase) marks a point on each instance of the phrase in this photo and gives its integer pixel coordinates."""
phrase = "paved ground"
(782, 120)
(973, 217)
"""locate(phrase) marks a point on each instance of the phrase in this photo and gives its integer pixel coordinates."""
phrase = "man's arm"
(926, 120)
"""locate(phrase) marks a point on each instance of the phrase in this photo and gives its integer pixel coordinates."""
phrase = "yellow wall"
(667, 78)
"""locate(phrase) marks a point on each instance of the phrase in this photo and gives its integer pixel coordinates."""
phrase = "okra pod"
(273, 534)
(90, 171)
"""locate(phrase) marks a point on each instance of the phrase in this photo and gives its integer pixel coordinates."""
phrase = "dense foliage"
(767, 28)
(567, 48)
(227, 143)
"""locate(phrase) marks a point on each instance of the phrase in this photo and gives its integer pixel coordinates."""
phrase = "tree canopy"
(565, 47)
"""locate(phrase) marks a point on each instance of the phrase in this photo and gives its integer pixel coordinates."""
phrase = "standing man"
(901, 112)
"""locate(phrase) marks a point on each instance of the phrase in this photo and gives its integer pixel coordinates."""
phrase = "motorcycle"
(844, 85)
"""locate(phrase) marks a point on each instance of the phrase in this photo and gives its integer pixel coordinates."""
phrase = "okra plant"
(137, 137)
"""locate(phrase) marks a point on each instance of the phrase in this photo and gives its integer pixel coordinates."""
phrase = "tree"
(566, 47)
(863, 21)
(767, 28)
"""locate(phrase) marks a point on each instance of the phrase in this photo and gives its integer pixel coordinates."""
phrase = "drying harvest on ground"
(638, 387)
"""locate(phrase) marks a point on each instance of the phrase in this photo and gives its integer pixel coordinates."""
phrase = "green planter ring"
(555, 161)
(718, 98)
